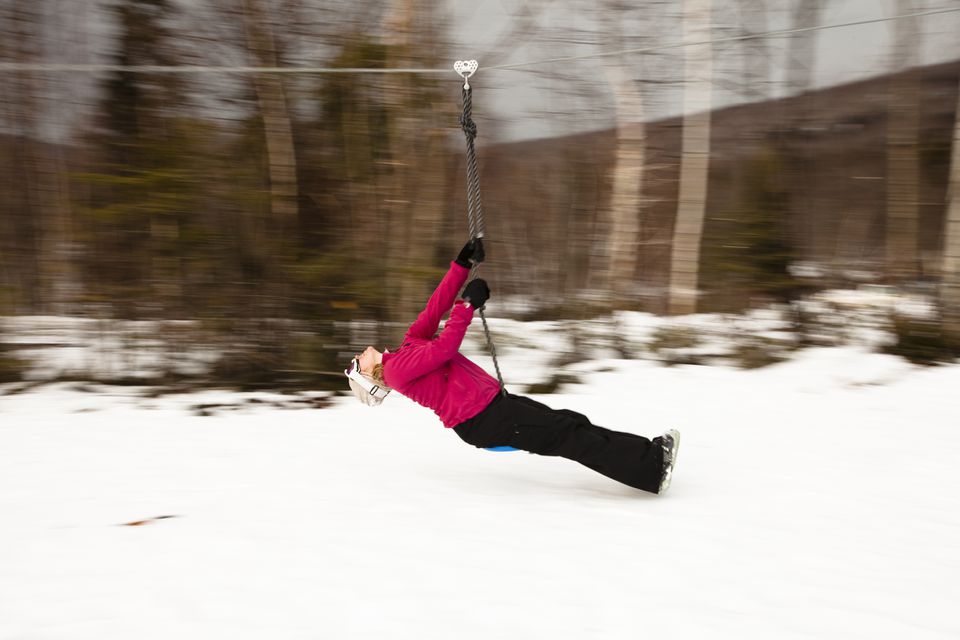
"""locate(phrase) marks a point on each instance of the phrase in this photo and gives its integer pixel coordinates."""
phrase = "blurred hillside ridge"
(316, 201)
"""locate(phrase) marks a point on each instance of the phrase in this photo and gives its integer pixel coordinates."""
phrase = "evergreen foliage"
(748, 250)
(175, 220)
(11, 367)
(923, 341)
(141, 191)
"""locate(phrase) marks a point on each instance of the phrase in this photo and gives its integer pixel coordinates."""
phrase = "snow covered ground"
(813, 498)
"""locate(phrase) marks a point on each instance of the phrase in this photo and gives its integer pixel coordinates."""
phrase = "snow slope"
(814, 498)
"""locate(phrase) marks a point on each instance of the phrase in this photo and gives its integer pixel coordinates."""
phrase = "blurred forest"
(284, 220)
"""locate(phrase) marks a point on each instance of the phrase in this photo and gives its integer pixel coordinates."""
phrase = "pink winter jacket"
(430, 370)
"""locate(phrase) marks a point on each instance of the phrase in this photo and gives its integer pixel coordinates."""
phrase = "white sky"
(558, 99)
(518, 101)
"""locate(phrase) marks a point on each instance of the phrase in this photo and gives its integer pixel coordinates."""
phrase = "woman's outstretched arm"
(440, 302)
(446, 292)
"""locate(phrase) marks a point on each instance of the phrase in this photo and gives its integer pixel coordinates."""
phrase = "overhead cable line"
(152, 68)
(241, 70)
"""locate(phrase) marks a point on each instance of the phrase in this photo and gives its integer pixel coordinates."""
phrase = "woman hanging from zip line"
(430, 370)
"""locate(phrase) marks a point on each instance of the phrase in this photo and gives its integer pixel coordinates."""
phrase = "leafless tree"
(903, 166)
(275, 111)
(40, 223)
(950, 270)
(800, 68)
(755, 51)
(695, 157)
(617, 273)
(627, 183)
(801, 52)
(413, 195)
(267, 33)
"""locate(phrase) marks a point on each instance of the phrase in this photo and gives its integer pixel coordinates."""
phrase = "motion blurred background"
(277, 183)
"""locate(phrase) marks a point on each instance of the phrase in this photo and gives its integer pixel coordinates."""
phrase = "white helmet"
(367, 390)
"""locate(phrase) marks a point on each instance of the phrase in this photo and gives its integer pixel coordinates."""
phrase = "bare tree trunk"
(414, 201)
(801, 55)
(44, 228)
(801, 64)
(902, 152)
(277, 128)
(397, 203)
(950, 284)
(695, 156)
(755, 52)
(24, 110)
(627, 174)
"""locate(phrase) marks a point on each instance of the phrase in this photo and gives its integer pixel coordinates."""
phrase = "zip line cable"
(97, 68)
(147, 68)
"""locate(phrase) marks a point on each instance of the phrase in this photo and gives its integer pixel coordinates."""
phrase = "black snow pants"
(529, 425)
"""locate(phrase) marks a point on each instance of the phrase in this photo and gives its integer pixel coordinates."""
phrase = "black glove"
(477, 293)
(472, 252)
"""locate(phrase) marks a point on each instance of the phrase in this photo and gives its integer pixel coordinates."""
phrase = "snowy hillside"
(814, 498)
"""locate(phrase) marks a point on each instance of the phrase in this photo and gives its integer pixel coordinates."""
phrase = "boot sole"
(674, 436)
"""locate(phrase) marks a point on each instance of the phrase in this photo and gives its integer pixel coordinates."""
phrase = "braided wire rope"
(474, 205)
(475, 210)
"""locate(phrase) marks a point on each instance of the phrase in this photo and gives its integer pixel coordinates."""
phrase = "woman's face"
(367, 359)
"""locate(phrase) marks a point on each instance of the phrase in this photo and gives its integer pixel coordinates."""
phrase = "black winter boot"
(670, 441)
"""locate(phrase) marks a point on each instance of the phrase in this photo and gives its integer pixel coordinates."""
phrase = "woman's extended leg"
(533, 426)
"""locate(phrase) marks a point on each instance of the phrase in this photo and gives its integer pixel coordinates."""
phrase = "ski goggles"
(368, 385)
